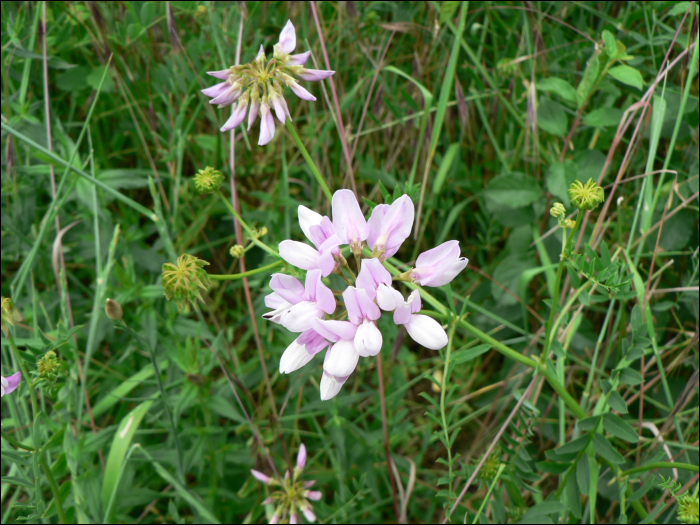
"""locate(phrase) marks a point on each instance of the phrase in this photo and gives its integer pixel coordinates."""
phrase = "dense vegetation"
(569, 383)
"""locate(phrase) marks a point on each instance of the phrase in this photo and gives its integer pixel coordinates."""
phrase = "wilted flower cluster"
(304, 308)
(293, 495)
(259, 85)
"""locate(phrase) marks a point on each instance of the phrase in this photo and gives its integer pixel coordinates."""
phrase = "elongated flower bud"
(114, 310)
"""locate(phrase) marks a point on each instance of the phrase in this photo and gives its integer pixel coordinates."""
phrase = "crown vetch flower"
(293, 495)
(9, 384)
(298, 309)
(296, 305)
(438, 266)
(258, 86)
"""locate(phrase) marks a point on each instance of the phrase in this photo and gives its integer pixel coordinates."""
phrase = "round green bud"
(237, 250)
(208, 180)
(586, 196)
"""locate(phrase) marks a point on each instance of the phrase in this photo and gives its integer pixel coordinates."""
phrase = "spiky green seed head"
(208, 180)
(586, 196)
(185, 280)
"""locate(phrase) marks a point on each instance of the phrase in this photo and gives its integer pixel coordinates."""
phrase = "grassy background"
(514, 119)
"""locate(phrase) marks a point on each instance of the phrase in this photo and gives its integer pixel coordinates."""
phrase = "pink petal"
(334, 330)
(253, 114)
(414, 302)
(294, 357)
(369, 308)
(274, 300)
(368, 339)
(314, 75)
(267, 125)
(388, 298)
(261, 477)
(288, 38)
(222, 74)
(299, 254)
(308, 514)
(342, 358)
(288, 287)
(372, 273)
(301, 457)
(348, 221)
(319, 292)
(236, 117)
(314, 495)
(227, 97)
(402, 314)
(326, 263)
(313, 341)
(301, 92)
(10, 383)
(216, 90)
(396, 225)
(330, 386)
(279, 108)
(300, 59)
(449, 273)
(374, 224)
(307, 219)
(298, 317)
(447, 250)
(426, 331)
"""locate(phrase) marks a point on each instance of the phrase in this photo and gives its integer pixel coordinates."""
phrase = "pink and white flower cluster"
(293, 494)
(259, 85)
(305, 308)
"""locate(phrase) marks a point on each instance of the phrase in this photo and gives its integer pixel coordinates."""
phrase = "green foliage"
(484, 114)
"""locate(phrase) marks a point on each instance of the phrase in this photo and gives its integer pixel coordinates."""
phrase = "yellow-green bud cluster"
(237, 250)
(559, 212)
(688, 509)
(208, 180)
(586, 196)
(185, 280)
(10, 315)
(49, 366)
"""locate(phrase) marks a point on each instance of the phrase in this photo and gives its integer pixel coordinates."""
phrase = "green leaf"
(619, 428)
(616, 402)
(552, 467)
(447, 11)
(560, 176)
(545, 509)
(606, 451)
(514, 190)
(588, 81)
(588, 423)
(15, 480)
(552, 118)
(445, 166)
(603, 117)
(610, 44)
(120, 445)
(627, 75)
(583, 475)
(637, 494)
(572, 448)
(631, 377)
(464, 356)
(559, 87)
(508, 274)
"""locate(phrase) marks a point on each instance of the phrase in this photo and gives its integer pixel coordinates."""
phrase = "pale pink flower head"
(389, 226)
(424, 330)
(372, 276)
(341, 359)
(348, 221)
(10, 383)
(268, 77)
(291, 494)
(439, 266)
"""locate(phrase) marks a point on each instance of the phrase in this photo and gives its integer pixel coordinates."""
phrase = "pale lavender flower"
(292, 495)
(362, 312)
(341, 358)
(295, 305)
(264, 79)
(346, 341)
(389, 226)
(10, 383)
(438, 266)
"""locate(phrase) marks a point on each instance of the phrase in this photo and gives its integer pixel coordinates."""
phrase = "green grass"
(484, 113)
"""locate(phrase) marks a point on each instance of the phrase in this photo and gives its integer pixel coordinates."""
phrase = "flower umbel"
(208, 180)
(305, 308)
(586, 197)
(259, 85)
(185, 280)
(292, 496)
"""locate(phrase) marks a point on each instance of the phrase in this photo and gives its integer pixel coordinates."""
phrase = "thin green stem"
(236, 276)
(304, 153)
(54, 488)
(156, 368)
(557, 284)
(660, 464)
(245, 226)
(26, 376)
(13, 441)
(443, 416)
